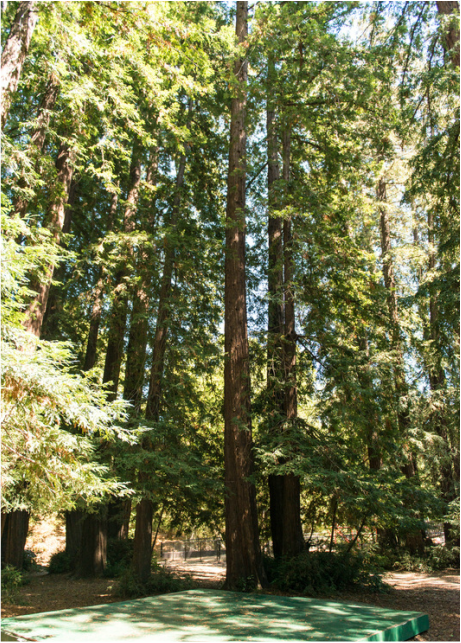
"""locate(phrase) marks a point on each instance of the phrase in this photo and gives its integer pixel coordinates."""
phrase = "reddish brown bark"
(275, 373)
(118, 519)
(119, 312)
(54, 222)
(14, 53)
(93, 545)
(243, 555)
(54, 307)
(96, 309)
(14, 537)
(142, 553)
(3, 518)
(139, 326)
(144, 509)
(161, 331)
(414, 540)
(452, 35)
(293, 541)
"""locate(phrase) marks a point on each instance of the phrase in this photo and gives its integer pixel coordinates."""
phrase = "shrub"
(161, 581)
(313, 573)
(119, 557)
(61, 563)
(12, 579)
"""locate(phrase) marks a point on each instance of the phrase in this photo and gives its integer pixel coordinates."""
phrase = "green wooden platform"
(208, 615)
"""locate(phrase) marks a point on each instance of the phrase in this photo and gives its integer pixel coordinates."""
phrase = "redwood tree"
(243, 553)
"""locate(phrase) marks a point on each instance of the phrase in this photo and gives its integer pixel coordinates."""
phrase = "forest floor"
(436, 594)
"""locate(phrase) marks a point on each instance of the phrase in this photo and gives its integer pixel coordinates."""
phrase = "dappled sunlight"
(206, 615)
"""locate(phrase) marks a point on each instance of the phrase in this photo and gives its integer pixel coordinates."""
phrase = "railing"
(186, 549)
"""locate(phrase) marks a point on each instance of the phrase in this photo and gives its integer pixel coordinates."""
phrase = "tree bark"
(96, 309)
(452, 35)
(144, 510)
(142, 553)
(437, 384)
(74, 524)
(118, 519)
(293, 541)
(243, 554)
(55, 222)
(414, 540)
(50, 326)
(275, 375)
(139, 326)
(4, 521)
(14, 538)
(93, 545)
(15, 51)
(117, 323)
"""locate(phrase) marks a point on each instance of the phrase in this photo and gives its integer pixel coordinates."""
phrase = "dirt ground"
(435, 594)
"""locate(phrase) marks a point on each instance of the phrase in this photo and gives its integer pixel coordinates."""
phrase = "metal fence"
(199, 548)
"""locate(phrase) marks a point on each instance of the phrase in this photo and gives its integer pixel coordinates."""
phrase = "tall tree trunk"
(50, 326)
(452, 35)
(94, 538)
(54, 222)
(139, 326)
(19, 520)
(293, 541)
(117, 323)
(118, 519)
(275, 375)
(437, 384)
(243, 552)
(96, 309)
(142, 553)
(21, 202)
(14, 53)
(93, 545)
(414, 540)
(14, 538)
(74, 524)
(3, 518)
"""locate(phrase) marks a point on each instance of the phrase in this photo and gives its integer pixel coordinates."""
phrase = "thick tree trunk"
(293, 541)
(437, 383)
(144, 511)
(452, 35)
(93, 545)
(94, 538)
(14, 538)
(414, 540)
(14, 53)
(275, 375)
(54, 308)
(117, 323)
(55, 222)
(142, 554)
(118, 519)
(243, 552)
(74, 524)
(96, 310)
(139, 326)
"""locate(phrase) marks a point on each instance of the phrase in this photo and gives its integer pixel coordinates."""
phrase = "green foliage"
(61, 563)
(12, 580)
(313, 573)
(161, 581)
(119, 557)
(436, 558)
